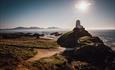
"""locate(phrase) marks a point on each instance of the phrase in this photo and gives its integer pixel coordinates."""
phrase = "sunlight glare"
(83, 5)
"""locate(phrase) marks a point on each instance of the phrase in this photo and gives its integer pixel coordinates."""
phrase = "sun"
(83, 5)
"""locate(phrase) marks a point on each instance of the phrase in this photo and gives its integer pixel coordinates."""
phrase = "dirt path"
(45, 53)
(41, 53)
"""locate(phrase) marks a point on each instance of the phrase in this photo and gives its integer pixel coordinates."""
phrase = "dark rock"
(86, 48)
(11, 35)
(67, 40)
(56, 34)
(81, 65)
(70, 39)
(27, 35)
(37, 35)
(100, 56)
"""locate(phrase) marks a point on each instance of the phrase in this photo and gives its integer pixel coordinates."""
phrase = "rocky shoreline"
(83, 52)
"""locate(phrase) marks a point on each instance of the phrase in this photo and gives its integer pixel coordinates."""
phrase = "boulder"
(70, 39)
(56, 33)
(67, 40)
(100, 56)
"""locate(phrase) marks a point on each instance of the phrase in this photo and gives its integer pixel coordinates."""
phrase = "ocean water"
(108, 36)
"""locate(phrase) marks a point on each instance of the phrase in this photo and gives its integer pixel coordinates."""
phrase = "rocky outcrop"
(56, 33)
(98, 56)
(88, 53)
(69, 39)
(86, 48)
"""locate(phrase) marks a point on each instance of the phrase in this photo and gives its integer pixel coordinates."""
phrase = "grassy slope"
(15, 51)
(11, 56)
(29, 42)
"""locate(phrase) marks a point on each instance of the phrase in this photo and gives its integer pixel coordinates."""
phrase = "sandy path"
(41, 53)
(45, 53)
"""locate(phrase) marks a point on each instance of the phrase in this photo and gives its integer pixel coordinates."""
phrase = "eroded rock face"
(87, 49)
(94, 57)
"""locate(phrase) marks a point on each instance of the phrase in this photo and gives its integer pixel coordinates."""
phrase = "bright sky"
(94, 14)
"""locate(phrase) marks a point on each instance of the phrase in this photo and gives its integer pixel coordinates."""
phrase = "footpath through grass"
(15, 51)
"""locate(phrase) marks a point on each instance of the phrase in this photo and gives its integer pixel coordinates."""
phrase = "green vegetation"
(29, 43)
(11, 56)
(15, 51)
(56, 62)
(67, 34)
(22, 53)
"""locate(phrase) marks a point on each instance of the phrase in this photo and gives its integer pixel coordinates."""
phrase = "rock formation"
(86, 48)
(87, 53)
(69, 39)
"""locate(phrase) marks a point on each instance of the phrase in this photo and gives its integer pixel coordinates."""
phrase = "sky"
(98, 14)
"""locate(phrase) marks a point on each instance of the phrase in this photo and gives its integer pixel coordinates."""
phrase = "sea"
(108, 36)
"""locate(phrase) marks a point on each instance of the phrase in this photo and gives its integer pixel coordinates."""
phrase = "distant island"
(30, 28)
(53, 28)
(27, 28)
